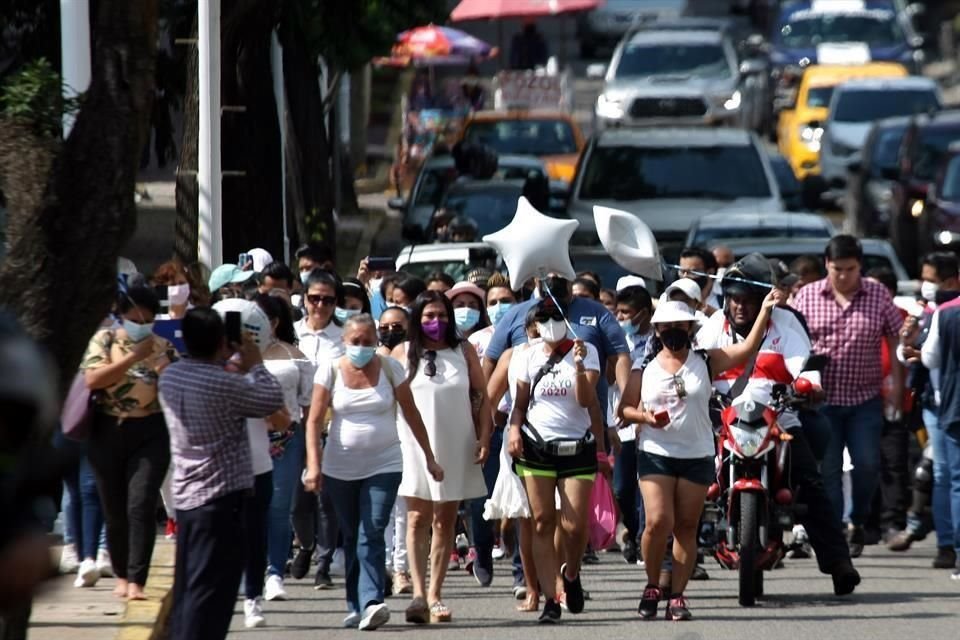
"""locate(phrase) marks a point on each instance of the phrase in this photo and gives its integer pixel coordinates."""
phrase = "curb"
(143, 619)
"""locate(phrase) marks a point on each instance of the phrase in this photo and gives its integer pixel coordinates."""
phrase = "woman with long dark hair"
(449, 390)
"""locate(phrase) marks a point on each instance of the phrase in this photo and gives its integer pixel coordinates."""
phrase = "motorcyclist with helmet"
(781, 360)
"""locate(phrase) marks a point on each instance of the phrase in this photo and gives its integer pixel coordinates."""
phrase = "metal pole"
(209, 176)
(276, 64)
(75, 52)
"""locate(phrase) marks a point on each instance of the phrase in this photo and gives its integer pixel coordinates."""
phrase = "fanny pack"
(559, 448)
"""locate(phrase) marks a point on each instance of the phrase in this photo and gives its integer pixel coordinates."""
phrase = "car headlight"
(749, 440)
(916, 209)
(733, 102)
(946, 238)
(810, 136)
(609, 108)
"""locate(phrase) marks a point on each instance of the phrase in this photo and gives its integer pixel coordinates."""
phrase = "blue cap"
(226, 274)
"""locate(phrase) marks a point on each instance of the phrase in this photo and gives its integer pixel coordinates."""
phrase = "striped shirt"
(206, 409)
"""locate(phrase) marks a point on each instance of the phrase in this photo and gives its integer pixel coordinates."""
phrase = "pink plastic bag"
(603, 516)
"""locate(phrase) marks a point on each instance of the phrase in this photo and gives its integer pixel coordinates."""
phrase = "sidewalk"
(64, 612)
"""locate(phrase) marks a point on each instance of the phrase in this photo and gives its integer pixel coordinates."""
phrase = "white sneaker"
(253, 614)
(374, 616)
(273, 589)
(69, 562)
(88, 574)
(352, 620)
(498, 553)
(104, 564)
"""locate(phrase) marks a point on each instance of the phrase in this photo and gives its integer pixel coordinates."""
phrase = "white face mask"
(552, 331)
(928, 290)
(178, 294)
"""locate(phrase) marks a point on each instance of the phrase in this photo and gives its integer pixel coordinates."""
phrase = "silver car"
(607, 24)
(671, 77)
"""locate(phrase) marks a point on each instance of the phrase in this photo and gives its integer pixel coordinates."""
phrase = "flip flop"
(418, 612)
(439, 613)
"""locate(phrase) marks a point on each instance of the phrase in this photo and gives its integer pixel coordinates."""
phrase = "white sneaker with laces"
(253, 614)
(498, 553)
(69, 562)
(273, 589)
(104, 564)
(374, 616)
(352, 620)
(88, 574)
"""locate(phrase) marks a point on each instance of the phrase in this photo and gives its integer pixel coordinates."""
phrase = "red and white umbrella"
(483, 9)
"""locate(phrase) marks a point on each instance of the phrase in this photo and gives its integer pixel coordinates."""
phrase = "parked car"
(801, 123)
(855, 105)
(607, 24)
(717, 228)
(552, 136)
(673, 77)
(942, 211)
(670, 177)
(436, 176)
(922, 151)
(870, 180)
(456, 260)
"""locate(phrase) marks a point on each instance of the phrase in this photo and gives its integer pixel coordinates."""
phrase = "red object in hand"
(661, 417)
(803, 386)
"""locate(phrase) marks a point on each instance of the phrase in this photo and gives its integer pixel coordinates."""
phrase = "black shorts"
(696, 470)
(538, 463)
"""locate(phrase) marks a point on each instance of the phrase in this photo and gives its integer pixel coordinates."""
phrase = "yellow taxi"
(801, 126)
(552, 136)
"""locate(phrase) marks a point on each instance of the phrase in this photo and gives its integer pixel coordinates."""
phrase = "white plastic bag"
(508, 500)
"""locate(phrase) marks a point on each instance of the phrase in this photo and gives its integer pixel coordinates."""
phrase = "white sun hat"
(686, 286)
(673, 311)
(630, 281)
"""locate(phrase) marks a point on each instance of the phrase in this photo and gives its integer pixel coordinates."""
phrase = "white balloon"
(533, 244)
(629, 242)
(252, 318)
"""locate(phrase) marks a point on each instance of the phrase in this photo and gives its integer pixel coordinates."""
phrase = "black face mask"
(391, 339)
(674, 339)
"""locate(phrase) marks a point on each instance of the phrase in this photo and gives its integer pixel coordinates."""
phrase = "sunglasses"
(394, 327)
(546, 317)
(318, 300)
(680, 387)
(430, 360)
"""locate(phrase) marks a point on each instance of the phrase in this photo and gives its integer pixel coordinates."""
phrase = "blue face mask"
(138, 332)
(304, 275)
(344, 314)
(497, 311)
(628, 327)
(360, 355)
(466, 318)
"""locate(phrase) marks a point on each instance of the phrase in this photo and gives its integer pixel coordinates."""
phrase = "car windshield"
(705, 237)
(640, 173)
(435, 181)
(885, 151)
(876, 27)
(931, 151)
(951, 180)
(819, 96)
(867, 105)
(696, 60)
(524, 137)
(492, 210)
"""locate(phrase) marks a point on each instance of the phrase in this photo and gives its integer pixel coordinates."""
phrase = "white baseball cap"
(630, 281)
(261, 258)
(686, 286)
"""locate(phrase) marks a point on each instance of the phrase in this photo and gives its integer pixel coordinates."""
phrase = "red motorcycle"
(752, 495)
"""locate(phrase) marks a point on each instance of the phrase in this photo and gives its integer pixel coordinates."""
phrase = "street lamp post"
(209, 175)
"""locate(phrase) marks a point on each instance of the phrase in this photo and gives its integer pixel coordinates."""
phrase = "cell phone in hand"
(243, 259)
(234, 327)
(661, 417)
(381, 264)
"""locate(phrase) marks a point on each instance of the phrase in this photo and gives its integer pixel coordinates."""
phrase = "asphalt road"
(900, 598)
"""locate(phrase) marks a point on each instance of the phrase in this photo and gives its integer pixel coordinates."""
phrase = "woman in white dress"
(449, 389)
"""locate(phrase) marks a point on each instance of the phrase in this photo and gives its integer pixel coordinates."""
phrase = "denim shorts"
(696, 470)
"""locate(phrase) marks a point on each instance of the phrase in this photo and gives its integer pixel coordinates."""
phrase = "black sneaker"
(649, 601)
(677, 608)
(573, 590)
(322, 581)
(699, 573)
(551, 612)
(590, 557)
(629, 552)
(483, 575)
(301, 563)
(856, 541)
(845, 579)
(946, 558)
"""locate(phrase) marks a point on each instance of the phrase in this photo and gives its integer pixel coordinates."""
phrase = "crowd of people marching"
(371, 417)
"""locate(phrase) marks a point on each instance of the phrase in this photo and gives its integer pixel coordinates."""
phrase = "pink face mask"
(434, 329)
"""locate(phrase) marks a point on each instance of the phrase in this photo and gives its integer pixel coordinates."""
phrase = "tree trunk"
(71, 211)
(186, 231)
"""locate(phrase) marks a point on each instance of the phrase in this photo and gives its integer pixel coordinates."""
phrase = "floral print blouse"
(135, 395)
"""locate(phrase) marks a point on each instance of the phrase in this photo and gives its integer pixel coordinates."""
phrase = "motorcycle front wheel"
(749, 533)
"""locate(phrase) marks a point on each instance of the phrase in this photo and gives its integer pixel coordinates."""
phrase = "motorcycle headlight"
(733, 102)
(748, 440)
(810, 136)
(609, 108)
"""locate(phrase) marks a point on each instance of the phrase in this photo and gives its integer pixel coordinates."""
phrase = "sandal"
(417, 612)
(530, 603)
(439, 613)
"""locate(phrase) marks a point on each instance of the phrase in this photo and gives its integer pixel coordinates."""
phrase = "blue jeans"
(363, 509)
(627, 490)
(83, 517)
(482, 530)
(940, 500)
(952, 440)
(858, 428)
(286, 476)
